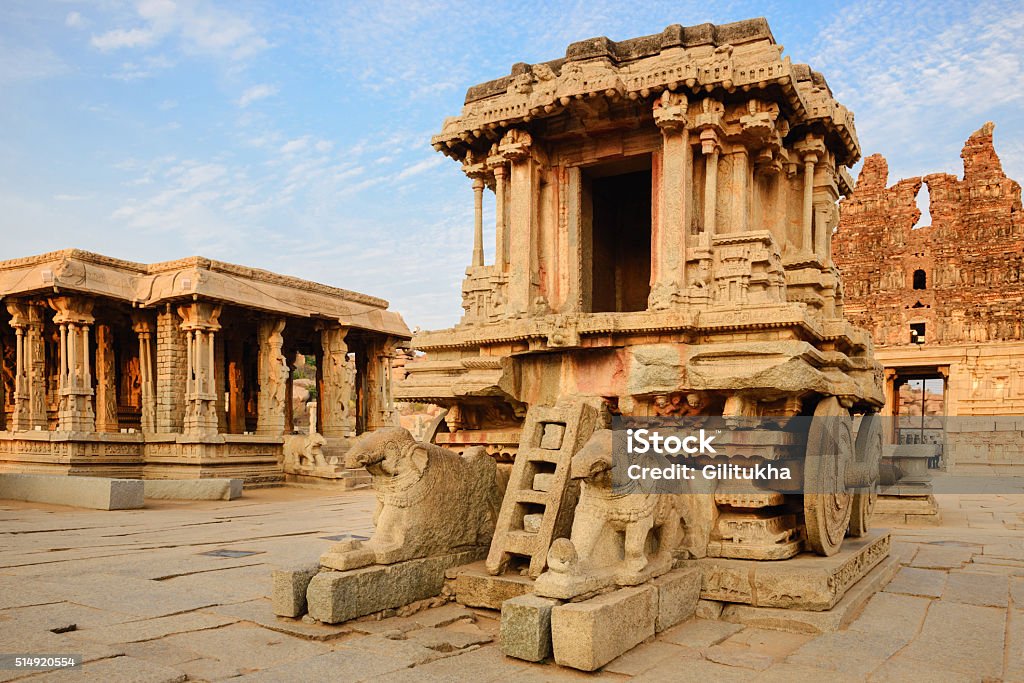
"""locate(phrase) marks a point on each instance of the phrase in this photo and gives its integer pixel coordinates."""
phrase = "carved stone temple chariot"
(664, 211)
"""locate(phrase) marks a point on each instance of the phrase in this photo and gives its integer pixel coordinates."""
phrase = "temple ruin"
(944, 303)
(184, 369)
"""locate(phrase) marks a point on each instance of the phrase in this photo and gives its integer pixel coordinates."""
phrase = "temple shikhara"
(944, 303)
(183, 369)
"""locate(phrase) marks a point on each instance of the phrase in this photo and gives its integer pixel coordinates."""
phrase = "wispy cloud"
(255, 93)
(199, 28)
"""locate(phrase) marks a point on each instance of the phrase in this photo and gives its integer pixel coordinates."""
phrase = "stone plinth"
(907, 505)
(97, 493)
(474, 587)
(334, 597)
(526, 627)
(193, 489)
(587, 635)
(808, 582)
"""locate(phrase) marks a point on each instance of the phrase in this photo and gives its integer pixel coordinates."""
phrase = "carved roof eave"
(803, 90)
(644, 322)
(152, 285)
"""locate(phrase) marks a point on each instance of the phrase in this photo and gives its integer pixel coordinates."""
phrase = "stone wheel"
(869, 451)
(827, 503)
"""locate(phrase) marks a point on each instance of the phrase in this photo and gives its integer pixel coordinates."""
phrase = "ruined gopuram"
(944, 300)
(183, 369)
(664, 214)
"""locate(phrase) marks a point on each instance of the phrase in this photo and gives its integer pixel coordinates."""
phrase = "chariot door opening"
(617, 235)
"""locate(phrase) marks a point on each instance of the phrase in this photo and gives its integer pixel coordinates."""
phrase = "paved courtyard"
(178, 592)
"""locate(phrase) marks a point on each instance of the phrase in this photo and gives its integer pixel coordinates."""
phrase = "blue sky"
(294, 136)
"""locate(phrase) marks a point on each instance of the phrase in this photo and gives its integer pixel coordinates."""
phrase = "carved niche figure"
(430, 500)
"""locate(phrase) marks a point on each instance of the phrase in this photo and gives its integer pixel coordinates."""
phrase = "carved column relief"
(515, 147)
(30, 366)
(380, 408)
(501, 213)
(741, 190)
(273, 374)
(199, 322)
(336, 391)
(811, 150)
(143, 328)
(478, 222)
(73, 318)
(106, 381)
(236, 387)
(670, 264)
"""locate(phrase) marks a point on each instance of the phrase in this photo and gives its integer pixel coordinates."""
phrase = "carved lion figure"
(430, 500)
(617, 538)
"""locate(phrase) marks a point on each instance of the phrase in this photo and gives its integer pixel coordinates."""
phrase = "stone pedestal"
(334, 597)
(806, 582)
(474, 587)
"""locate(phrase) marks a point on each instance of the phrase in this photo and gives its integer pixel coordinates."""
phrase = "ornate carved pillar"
(199, 322)
(336, 385)
(501, 214)
(741, 190)
(811, 149)
(380, 409)
(171, 372)
(142, 325)
(273, 376)
(709, 120)
(711, 149)
(515, 147)
(74, 317)
(236, 387)
(478, 222)
(30, 366)
(106, 381)
(669, 264)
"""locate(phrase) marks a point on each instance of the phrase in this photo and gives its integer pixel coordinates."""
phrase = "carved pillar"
(199, 322)
(30, 367)
(711, 149)
(380, 409)
(74, 317)
(478, 222)
(106, 381)
(501, 217)
(669, 265)
(273, 376)
(170, 372)
(811, 151)
(741, 190)
(236, 387)
(515, 147)
(336, 385)
(143, 328)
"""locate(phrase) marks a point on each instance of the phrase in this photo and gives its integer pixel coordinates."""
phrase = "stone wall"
(972, 254)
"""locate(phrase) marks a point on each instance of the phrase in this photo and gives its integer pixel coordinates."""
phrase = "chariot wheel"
(868, 451)
(827, 503)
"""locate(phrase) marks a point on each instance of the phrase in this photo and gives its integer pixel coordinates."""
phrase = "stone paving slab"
(151, 629)
(986, 590)
(246, 646)
(962, 638)
(912, 581)
(116, 670)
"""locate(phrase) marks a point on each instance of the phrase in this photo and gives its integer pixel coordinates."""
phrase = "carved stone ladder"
(540, 499)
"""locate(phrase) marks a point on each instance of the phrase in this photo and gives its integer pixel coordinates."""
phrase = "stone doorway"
(920, 409)
(618, 196)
